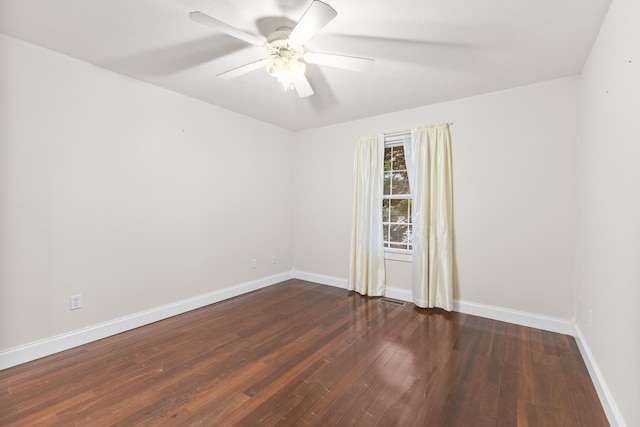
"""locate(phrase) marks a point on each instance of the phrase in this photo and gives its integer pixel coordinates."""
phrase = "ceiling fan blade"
(303, 87)
(243, 69)
(210, 22)
(352, 63)
(316, 17)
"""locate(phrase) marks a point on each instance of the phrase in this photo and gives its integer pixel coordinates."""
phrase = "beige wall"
(121, 191)
(513, 162)
(608, 206)
(129, 194)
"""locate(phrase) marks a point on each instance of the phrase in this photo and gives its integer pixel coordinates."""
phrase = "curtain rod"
(404, 132)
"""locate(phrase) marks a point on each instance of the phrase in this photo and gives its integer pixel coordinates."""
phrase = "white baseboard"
(523, 318)
(46, 347)
(320, 278)
(610, 408)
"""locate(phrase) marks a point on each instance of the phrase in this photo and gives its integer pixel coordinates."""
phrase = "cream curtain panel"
(366, 269)
(431, 186)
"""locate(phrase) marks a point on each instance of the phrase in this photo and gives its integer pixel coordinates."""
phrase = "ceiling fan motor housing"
(279, 45)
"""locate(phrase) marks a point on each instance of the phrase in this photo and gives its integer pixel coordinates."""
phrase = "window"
(396, 198)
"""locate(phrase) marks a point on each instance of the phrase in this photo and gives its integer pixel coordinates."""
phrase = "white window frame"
(397, 140)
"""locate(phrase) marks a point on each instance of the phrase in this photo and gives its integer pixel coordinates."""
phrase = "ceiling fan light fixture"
(287, 81)
(286, 70)
(276, 66)
(296, 68)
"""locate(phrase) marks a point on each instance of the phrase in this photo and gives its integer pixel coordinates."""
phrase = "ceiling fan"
(286, 56)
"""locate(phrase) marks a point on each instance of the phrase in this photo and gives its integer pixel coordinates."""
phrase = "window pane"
(387, 183)
(399, 233)
(385, 210)
(385, 233)
(399, 210)
(387, 158)
(400, 183)
(398, 158)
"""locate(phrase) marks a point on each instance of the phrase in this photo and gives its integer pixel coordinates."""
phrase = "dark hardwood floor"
(304, 354)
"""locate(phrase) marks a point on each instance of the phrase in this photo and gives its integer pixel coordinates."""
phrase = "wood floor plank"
(546, 413)
(562, 400)
(371, 383)
(303, 354)
(489, 405)
(526, 389)
(508, 405)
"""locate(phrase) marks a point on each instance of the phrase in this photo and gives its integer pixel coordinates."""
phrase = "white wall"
(513, 163)
(608, 206)
(129, 194)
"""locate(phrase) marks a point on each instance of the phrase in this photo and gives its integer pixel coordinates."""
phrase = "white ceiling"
(425, 51)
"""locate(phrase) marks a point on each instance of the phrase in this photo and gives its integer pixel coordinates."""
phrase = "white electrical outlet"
(274, 259)
(590, 317)
(254, 263)
(76, 302)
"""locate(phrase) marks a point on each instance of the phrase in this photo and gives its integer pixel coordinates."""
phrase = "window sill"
(398, 256)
